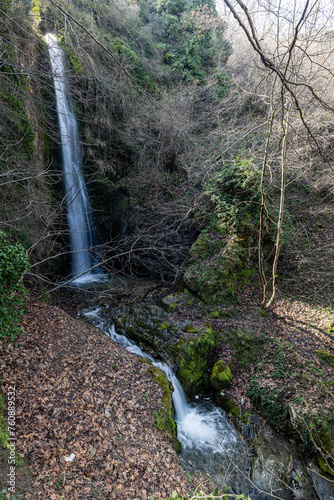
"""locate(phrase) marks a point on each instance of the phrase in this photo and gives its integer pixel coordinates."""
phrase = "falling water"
(77, 201)
(208, 439)
(210, 444)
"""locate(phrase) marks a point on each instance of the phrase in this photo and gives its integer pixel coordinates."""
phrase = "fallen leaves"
(85, 428)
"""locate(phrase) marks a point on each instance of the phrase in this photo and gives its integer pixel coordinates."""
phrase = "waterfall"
(78, 210)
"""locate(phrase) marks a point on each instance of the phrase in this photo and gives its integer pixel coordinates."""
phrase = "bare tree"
(296, 55)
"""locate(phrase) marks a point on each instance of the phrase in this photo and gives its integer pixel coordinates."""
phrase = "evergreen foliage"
(13, 263)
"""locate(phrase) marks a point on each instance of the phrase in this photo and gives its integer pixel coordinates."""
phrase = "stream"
(210, 443)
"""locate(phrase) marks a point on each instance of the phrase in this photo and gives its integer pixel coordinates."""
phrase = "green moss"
(195, 360)
(326, 357)
(221, 376)
(76, 63)
(164, 325)
(216, 279)
(248, 345)
(165, 419)
(190, 329)
(202, 247)
(325, 468)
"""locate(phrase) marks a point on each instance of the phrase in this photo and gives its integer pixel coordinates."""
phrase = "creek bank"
(178, 329)
(79, 393)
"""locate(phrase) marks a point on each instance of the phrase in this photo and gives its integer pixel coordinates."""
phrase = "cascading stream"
(78, 208)
(204, 431)
(208, 439)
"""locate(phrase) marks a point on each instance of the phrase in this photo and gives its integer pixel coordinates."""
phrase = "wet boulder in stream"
(149, 326)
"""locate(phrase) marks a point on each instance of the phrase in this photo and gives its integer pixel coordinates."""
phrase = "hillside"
(76, 392)
(207, 154)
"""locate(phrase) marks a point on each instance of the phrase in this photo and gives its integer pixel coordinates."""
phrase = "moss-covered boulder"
(213, 273)
(221, 376)
(195, 360)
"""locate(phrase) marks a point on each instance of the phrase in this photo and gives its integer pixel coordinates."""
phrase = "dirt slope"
(79, 393)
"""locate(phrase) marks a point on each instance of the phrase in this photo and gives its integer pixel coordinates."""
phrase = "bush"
(13, 264)
(234, 193)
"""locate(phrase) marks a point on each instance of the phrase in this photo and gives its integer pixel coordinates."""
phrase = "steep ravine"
(269, 465)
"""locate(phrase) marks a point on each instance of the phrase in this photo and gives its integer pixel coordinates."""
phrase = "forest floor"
(79, 394)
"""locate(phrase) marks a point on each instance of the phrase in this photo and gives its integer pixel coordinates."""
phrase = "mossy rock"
(326, 357)
(150, 327)
(179, 301)
(170, 302)
(3, 426)
(195, 361)
(221, 376)
(327, 468)
(200, 248)
(216, 278)
(165, 420)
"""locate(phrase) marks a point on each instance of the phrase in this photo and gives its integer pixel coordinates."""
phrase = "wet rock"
(323, 488)
(276, 469)
(221, 376)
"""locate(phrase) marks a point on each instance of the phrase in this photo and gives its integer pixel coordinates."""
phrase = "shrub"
(233, 193)
(13, 264)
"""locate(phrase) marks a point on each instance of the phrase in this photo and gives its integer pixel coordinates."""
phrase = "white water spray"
(204, 431)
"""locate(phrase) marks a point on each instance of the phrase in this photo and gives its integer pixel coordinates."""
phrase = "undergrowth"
(13, 263)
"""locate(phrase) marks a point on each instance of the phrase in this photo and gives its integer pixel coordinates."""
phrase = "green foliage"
(191, 36)
(13, 263)
(233, 193)
(75, 63)
(172, 7)
(188, 62)
(272, 402)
